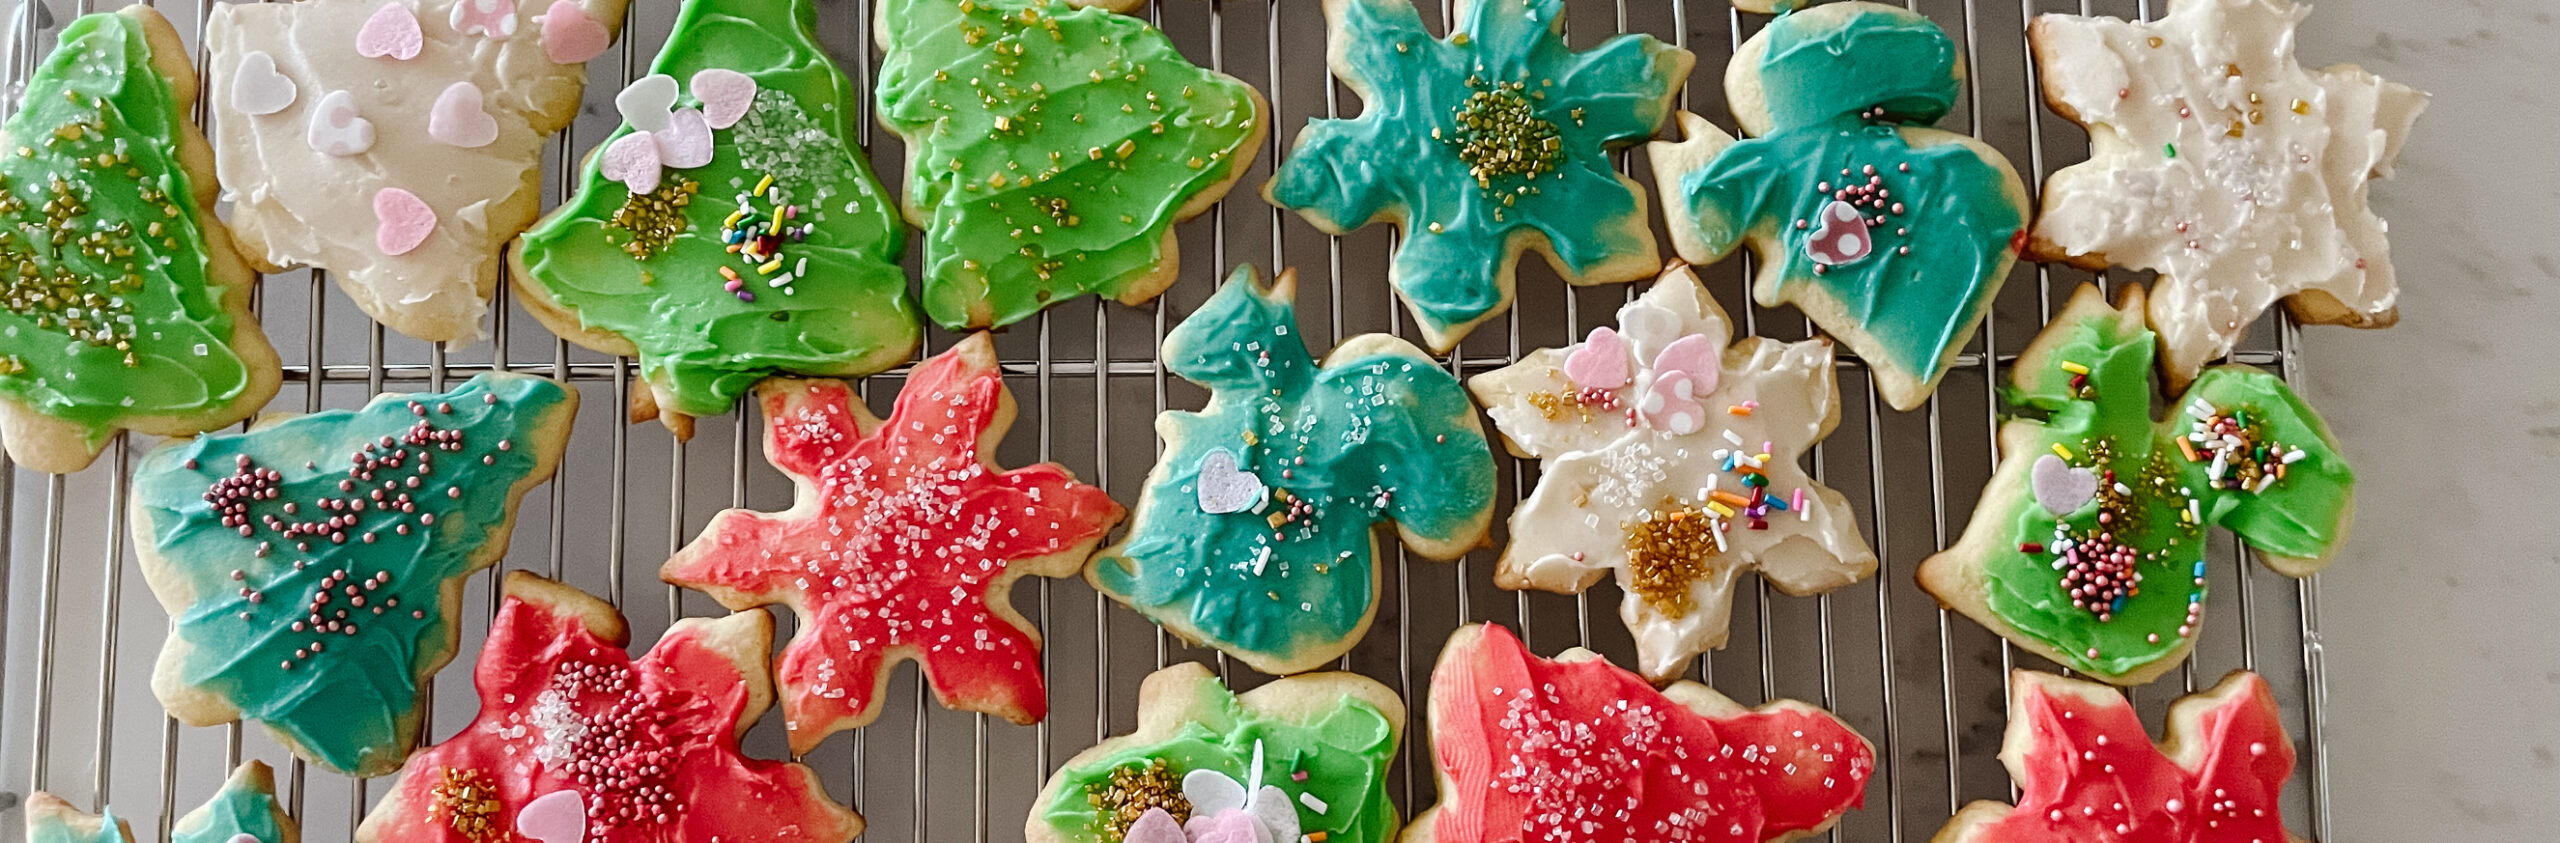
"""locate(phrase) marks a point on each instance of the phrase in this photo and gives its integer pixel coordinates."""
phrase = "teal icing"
(1384, 436)
(1393, 158)
(1915, 306)
(58, 830)
(235, 810)
(343, 706)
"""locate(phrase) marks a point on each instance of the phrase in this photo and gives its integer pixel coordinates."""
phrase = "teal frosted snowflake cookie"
(1481, 145)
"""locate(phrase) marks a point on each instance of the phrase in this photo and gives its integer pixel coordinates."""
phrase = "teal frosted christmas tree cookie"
(126, 306)
(1256, 531)
(51, 820)
(1480, 146)
(313, 566)
(2089, 545)
(1891, 235)
(730, 229)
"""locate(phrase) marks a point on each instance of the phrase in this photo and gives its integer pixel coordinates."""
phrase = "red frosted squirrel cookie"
(905, 540)
(2086, 772)
(576, 740)
(1576, 750)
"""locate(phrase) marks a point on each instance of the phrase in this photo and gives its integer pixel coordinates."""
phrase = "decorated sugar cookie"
(1669, 457)
(51, 820)
(396, 143)
(2218, 161)
(576, 740)
(126, 306)
(904, 542)
(243, 811)
(1256, 533)
(2086, 770)
(313, 566)
(2088, 547)
(1480, 146)
(1051, 149)
(1575, 750)
(1891, 235)
(1303, 758)
(731, 229)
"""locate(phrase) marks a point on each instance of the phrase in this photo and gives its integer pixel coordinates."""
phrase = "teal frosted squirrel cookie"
(312, 567)
(1256, 531)
(1891, 235)
(1480, 146)
(730, 229)
(127, 306)
(243, 811)
(2088, 547)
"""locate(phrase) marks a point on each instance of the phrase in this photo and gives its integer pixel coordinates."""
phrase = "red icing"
(1596, 754)
(2089, 760)
(652, 737)
(900, 531)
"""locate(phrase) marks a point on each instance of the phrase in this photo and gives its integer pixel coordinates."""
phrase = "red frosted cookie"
(1576, 750)
(578, 741)
(903, 544)
(2086, 771)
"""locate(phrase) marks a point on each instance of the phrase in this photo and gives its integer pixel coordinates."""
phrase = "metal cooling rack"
(80, 635)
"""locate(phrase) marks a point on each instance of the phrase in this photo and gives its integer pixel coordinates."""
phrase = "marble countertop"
(2444, 668)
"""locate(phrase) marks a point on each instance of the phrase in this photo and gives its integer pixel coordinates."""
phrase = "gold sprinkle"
(1669, 548)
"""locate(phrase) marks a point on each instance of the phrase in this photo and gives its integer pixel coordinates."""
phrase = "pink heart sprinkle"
(1154, 826)
(1232, 826)
(569, 36)
(686, 142)
(556, 817)
(1670, 404)
(632, 160)
(1600, 362)
(725, 95)
(1693, 355)
(459, 119)
(392, 31)
(1842, 236)
(402, 221)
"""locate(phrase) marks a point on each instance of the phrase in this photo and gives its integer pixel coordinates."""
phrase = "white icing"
(2232, 224)
(1600, 474)
(294, 205)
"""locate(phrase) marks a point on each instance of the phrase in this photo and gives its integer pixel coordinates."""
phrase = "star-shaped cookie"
(52, 820)
(2088, 545)
(1257, 530)
(904, 542)
(2086, 770)
(395, 143)
(1492, 141)
(1576, 750)
(243, 811)
(1669, 458)
(576, 740)
(313, 566)
(2220, 162)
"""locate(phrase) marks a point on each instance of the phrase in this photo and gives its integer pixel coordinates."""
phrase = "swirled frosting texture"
(113, 308)
(2089, 546)
(2223, 164)
(308, 565)
(1051, 149)
(1284, 573)
(837, 302)
(1669, 421)
(1481, 144)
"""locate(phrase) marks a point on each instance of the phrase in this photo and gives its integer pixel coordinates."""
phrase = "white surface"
(2444, 669)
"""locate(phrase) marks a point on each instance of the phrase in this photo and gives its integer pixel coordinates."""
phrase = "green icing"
(351, 705)
(1050, 149)
(1343, 753)
(58, 829)
(1932, 268)
(111, 310)
(235, 810)
(1385, 435)
(2106, 425)
(1497, 133)
(846, 313)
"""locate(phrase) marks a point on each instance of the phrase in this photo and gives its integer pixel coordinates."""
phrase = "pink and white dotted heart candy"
(1693, 355)
(1840, 237)
(401, 221)
(1670, 403)
(336, 128)
(569, 36)
(1600, 362)
(392, 31)
(491, 19)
